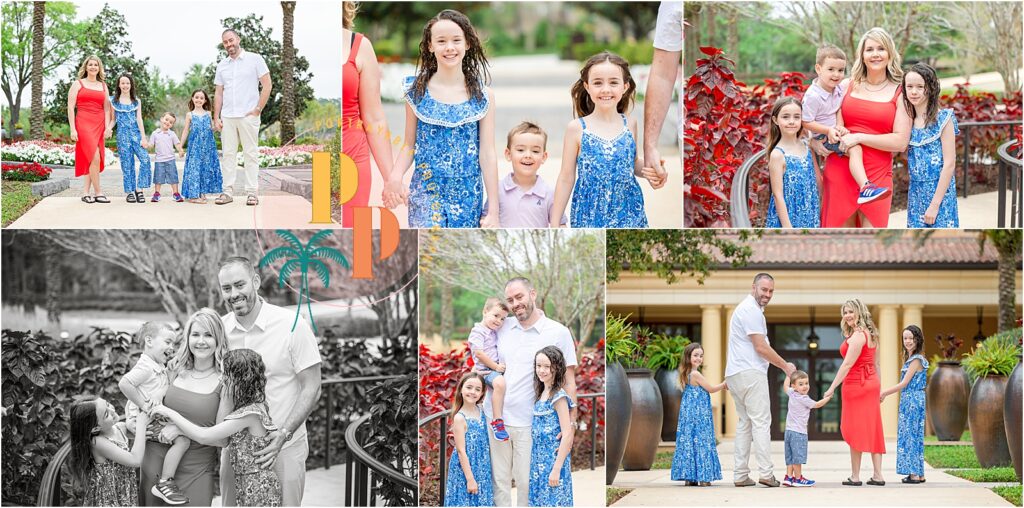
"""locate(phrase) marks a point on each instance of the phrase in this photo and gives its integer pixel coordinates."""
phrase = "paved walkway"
(587, 488)
(324, 487)
(986, 81)
(977, 211)
(828, 464)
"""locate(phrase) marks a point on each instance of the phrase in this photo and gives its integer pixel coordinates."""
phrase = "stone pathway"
(977, 211)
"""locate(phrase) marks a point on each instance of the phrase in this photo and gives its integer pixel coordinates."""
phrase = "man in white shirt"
(243, 89)
(519, 340)
(292, 359)
(668, 55)
(746, 373)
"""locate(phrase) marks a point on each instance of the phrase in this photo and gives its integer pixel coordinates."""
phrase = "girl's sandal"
(88, 199)
(198, 201)
(131, 197)
(704, 484)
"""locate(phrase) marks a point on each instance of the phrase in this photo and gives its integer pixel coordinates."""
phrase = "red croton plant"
(25, 171)
(727, 123)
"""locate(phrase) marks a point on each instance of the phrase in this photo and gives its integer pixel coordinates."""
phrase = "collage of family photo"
(503, 253)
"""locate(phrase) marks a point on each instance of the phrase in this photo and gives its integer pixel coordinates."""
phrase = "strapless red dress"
(861, 420)
(89, 122)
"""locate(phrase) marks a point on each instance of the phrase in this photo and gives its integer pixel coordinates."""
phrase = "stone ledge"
(50, 187)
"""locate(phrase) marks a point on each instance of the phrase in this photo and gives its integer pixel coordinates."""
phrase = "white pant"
(245, 130)
(290, 467)
(511, 459)
(749, 390)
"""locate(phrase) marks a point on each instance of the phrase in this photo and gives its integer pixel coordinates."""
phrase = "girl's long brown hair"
(474, 62)
(685, 366)
(457, 401)
(83, 423)
(774, 132)
(582, 104)
(557, 359)
(206, 100)
(918, 341)
(931, 88)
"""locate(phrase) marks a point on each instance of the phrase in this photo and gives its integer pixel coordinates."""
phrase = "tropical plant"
(994, 356)
(619, 343)
(664, 352)
(304, 257)
(949, 347)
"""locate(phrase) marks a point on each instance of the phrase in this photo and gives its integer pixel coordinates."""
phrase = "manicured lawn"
(960, 457)
(17, 199)
(933, 439)
(1011, 493)
(614, 494)
(663, 460)
(995, 474)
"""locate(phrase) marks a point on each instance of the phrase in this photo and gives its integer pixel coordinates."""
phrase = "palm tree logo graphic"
(304, 257)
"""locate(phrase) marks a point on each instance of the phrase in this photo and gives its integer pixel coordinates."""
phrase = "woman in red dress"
(861, 419)
(364, 128)
(88, 109)
(878, 121)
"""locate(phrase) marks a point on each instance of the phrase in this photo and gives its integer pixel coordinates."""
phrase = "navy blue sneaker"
(499, 430)
(870, 192)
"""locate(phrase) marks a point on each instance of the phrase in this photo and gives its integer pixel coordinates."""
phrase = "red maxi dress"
(353, 133)
(861, 419)
(90, 124)
(839, 196)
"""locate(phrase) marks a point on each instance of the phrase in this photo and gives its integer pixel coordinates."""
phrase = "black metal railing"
(965, 130)
(1010, 167)
(360, 468)
(50, 492)
(443, 448)
(330, 385)
(739, 210)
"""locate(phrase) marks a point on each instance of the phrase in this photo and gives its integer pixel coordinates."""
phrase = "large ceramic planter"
(645, 425)
(671, 395)
(1012, 416)
(985, 414)
(948, 392)
(619, 412)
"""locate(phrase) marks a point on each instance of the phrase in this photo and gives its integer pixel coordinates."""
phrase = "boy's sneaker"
(178, 198)
(499, 430)
(870, 192)
(787, 481)
(802, 482)
(156, 197)
(169, 492)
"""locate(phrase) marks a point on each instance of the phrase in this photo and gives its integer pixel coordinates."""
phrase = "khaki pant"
(749, 391)
(245, 130)
(290, 467)
(511, 459)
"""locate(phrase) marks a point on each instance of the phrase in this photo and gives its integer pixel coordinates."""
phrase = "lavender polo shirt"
(163, 143)
(798, 411)
(524, 209)
(820, 106)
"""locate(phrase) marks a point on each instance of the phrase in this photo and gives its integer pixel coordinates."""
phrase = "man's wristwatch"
(288, 435)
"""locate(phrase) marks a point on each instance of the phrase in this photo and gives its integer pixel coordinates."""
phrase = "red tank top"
(350, 85)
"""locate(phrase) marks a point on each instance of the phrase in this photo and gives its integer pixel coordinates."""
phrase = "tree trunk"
(288, 75)
(54, 281)
(732, 38)
(1007, 303)
(38, 16)
(711, 22)
(446, 313)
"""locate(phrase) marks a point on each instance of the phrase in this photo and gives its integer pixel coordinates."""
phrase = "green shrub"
(996, 355)
(664, 352)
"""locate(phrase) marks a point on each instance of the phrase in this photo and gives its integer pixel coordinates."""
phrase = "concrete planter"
(50, 187)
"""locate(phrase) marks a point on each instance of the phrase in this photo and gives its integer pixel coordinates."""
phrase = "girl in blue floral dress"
(201, 175)
(931, 156)
(131, 140)
(449, 116)
(550, 476)
(469, 469)
(792, 171)
(600, 162)
(910, 433)
(695, 461)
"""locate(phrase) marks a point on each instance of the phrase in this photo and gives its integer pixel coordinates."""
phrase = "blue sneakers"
(499, 430)
(871, 192)
(797, 482)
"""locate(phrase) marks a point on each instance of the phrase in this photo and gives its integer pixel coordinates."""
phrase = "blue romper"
(202, 167)
(924, 162)
(544, 449)
(910, 433)
(800, 192)
(695, 459)
(606, 194)
(478, 449)
(447, 185)
(129, 147)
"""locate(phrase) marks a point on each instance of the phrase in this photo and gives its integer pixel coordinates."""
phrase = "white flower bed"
(291, 155)
(46, 152)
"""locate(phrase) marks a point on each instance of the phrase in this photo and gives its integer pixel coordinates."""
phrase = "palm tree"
(287, 75)
(304, 257)
(36, 119)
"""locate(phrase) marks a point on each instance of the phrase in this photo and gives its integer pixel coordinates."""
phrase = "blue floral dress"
(447, 185)
(479, 452)
(800, 192)
(910, 433)
(543, 430)
(202, 167)
(696, 459)
(606, 194)
(924, 162)
(129, 147)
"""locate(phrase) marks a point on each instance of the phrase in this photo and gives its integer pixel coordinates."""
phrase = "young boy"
(483, 345)
(822, 117)
(164, 140)
(524, 199)
(145, 386)
(799, 411)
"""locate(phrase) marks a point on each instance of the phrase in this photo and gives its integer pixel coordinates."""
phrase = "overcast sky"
(175, 35)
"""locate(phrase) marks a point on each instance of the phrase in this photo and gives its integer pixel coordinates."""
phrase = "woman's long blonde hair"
(184, 359)
(348, 11)
(893, 71)
(100, 76)
(863, 321)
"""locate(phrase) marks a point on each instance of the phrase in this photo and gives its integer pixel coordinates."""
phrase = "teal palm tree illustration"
(304, 258)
